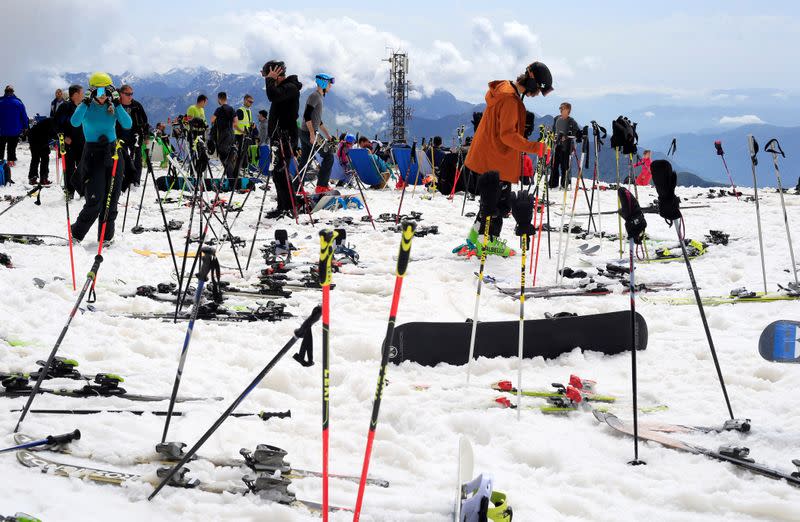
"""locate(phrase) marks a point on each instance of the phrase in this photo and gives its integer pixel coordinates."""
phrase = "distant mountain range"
(169, 94)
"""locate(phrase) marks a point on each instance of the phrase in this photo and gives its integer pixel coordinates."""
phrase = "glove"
(114, 96)
(87, 98)
(522, 209)
(489, 188)
(665, 179)
(630, 211)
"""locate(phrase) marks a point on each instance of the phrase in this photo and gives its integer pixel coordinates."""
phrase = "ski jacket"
(40, 134)
(97, 122)
(63, 115)
(54, 105)
(13, 118)
(498, 139)
(644, 177)
(139, 124)
(284, 108)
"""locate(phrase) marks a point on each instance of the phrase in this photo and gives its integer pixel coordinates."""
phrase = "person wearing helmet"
(284, 94)
(499, 141)
(99, 113)
(312, 124)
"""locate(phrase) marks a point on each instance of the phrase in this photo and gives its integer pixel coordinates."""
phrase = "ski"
(105, 385)
(780, 342)
(119, 478)
(265, 458)
(559, 390)
(754, 297)
(737, 456)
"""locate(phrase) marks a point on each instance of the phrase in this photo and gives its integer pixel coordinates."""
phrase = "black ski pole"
(255, 232)
(304, 331)
(326, 238)
(753, 146)
(206, 264)
(90, 277)
(149, 166)
(635, 225)
(403, 257)
(35, 190)
(263, 415)
(127, 202)
(47, 441)
(198, 182)
(665, 179)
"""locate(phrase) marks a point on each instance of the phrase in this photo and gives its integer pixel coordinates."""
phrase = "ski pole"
(561, 227)
(619, 218)
(326, 238)
(289, 185)
(127, 202)
(363, 197)
(150, 171)
(90, 277)
(304, 331)
(402, 264)
(62, 151)
(255, 232)
(563, 263)
(774, 148)
(206, 264)
(721, 154)
(146, 159)
(263, 415)
(538, 244)
(50, 440)
(485, 242)
(416, 178)
(405, 182)
(35, 190)
(753, 146)
(523, 245)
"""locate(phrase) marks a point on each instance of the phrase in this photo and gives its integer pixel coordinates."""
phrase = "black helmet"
(271, 65)
(542, 80)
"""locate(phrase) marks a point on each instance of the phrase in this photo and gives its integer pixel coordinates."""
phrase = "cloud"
(745, 119)
(649, 114)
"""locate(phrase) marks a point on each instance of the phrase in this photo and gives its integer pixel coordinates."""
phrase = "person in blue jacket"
(13, 121)
(99, 113)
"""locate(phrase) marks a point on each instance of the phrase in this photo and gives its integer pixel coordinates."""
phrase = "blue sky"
(681, 50)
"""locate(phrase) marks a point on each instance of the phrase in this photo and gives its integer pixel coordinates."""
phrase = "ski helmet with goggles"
(542, 80)
(349, 138)
(324, 80)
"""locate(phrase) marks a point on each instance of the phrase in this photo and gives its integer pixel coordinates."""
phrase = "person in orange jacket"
(499, 140)
(643, 179)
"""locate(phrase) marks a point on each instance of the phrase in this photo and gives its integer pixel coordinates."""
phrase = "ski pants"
(503, 208)
(9, 142)
(100, 190)
(40, 163)
(72, 159)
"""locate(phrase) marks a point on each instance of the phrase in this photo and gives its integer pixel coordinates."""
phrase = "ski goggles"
(100, 92)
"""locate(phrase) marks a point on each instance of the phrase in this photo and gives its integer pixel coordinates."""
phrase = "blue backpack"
(5, 173)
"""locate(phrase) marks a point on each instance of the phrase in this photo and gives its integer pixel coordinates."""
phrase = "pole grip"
(316, 313)
(206, 262)
(265, 415)
(405, 247)
(752, 145)
(95, 267)
(65, 438)
(326, 238)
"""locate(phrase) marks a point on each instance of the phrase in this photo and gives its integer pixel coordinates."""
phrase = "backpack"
(5, 173)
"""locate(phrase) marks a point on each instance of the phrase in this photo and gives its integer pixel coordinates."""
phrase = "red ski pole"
(402, 264)
(63, 153)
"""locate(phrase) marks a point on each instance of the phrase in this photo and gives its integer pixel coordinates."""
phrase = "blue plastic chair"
(402, 157)
(361, 160)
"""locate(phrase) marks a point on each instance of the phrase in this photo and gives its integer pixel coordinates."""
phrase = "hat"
(543, 78)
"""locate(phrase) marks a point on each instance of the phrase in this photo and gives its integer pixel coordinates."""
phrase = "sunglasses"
(127, 93)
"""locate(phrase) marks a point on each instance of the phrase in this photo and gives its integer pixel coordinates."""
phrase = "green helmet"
(99, 79)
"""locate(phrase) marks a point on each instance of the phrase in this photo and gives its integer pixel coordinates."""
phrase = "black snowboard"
(432, 343)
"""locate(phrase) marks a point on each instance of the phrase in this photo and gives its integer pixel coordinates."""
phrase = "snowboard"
(430, 343)
(780, 342)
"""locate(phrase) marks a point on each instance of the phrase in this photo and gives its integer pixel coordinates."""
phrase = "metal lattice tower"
(398, 88)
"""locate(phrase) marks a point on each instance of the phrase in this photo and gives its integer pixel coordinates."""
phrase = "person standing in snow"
(499, 141)
(565, 129)
(99, 113)
(13, 122)
(643, 179)
(57, 102)
(312, 124)
(223, 122)
(39, 138)
(198, 110)
(284, 94)
(73, 137)
(133, 138)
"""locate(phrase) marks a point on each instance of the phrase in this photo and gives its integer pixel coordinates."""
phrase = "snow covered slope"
(552, 468)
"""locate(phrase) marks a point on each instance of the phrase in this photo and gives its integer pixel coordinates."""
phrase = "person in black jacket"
(73, 136)
(132, 138)
(565, 128)
(39, 137)
(57, 102)
(284, 94)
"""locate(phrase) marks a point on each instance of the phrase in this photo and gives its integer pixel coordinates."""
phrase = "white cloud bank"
(745, 119)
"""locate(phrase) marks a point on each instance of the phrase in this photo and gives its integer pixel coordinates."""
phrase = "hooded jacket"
(498, 140)
(285, 106)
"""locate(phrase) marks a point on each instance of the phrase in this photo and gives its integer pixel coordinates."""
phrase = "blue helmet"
(324, 80)
(350, 138)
